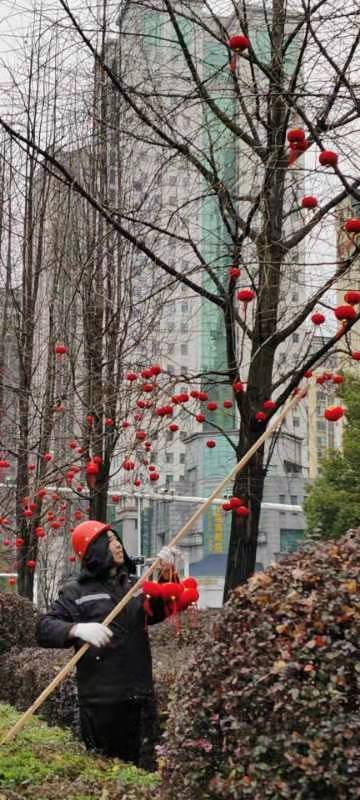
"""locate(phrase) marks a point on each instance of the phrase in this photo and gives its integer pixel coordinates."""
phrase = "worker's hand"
(92, 632)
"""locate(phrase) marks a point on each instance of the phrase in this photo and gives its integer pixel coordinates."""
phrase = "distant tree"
(332, 505)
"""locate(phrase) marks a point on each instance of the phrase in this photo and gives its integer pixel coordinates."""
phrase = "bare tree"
(195, 101)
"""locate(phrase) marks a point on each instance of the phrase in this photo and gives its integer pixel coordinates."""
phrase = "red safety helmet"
(85, 533)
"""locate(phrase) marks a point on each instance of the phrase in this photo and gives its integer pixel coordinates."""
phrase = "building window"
(169, 458)
(184, 307)
(184, 328)
(169, 479)
(295, 338)
(182, 458)
(171, 348)
(290, 539)
(183, 435)
(296, 422)
(169, 436)
(183, 370)
(282, 498)
(294, 499)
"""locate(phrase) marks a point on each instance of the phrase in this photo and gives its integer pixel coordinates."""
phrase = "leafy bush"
(268, 704)
(17, 621)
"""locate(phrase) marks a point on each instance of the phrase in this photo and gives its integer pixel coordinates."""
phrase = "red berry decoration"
(31, 564)
(260, 416)
(228, 404)
(337, 379)
(212, 406)
(173, 427)
(46, 457)
(238, 387)
(140, 435)
(308, 373)
(90, 420)
(154, 476)
(234, 272)
(210, 443)
(131, 376)
(200, 417)
(128, 465)
(269, 405)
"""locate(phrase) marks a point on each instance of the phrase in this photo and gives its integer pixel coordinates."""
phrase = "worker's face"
(116, 548)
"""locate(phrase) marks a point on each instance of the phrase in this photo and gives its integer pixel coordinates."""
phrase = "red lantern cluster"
(176, 596)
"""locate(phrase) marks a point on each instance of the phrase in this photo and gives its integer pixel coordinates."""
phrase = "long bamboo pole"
(134, 589)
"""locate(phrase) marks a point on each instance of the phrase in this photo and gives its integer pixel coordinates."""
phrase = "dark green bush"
(268, 704)
(17, 621)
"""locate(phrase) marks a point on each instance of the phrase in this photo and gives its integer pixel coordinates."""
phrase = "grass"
(48, 763)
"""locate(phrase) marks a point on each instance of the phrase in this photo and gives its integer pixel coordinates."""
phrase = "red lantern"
(203, 396)
(212, 406)
(195, 393)
(4, 464)
(31, 467)
(190, 583)
(27, 512)
(308, 373)
(260, 416)
(128, 465)
(200, 417)
(125, 424)
(109, 422)
(12, 581)
(227, 404)
(137, 482)
(333, 413)
(246, 295)
(238, 387)
(346, 313)
(148, 387)
(146, 373)
(337, 379)
(210, 443)
(154, 476)
(72, 445)
(317, 318)
(296, 135)
(173, 427)
(269, 405)
(39, 532)
(242, 511)
(6, 542)
(116, 498)
(47, 457)
(238, 43)
(309, 201)
(31, 564)
(155, 369)
(152, 468)
(355, 355)
(152, 589)
(61, 349)
(352, 226)
(131, 376)
(352, 297)
(234, 272)
(328, 158)
(90, 420)
(140, 435)
(19, 542)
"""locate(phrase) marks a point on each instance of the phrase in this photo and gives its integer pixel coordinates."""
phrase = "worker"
(114, 676)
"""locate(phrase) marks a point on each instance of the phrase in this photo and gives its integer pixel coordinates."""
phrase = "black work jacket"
(122, 669)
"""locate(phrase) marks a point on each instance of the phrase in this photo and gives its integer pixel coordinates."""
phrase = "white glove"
(92, 632)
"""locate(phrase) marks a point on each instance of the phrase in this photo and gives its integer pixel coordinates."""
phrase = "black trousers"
(118, 731)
